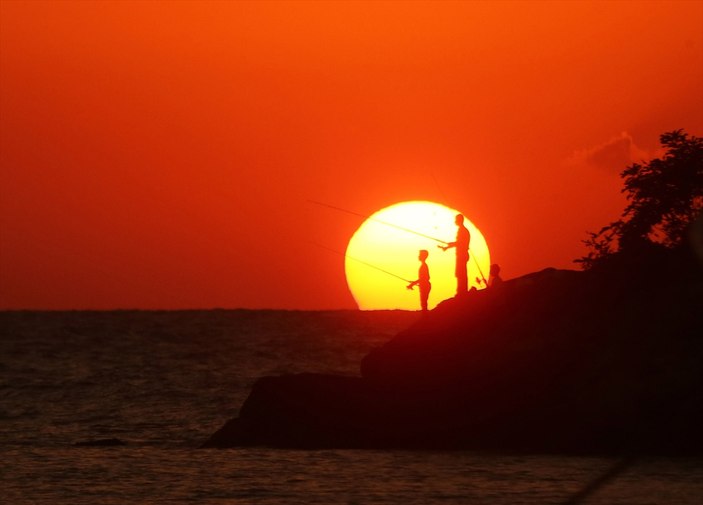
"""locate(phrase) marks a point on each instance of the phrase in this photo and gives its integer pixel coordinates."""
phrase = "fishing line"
(408, 230)
(362, 262)
(439, 189)
(402, 228)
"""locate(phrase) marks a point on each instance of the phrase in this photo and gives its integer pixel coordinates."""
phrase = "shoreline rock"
(555, 361)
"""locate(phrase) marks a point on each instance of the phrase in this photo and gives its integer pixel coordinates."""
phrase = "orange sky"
(160, 155)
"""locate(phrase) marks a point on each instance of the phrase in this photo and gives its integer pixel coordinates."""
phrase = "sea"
(163, 381)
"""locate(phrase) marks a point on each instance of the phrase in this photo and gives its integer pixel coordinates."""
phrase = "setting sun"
(383, 253)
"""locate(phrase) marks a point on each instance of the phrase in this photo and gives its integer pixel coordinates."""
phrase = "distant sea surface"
(164, 381)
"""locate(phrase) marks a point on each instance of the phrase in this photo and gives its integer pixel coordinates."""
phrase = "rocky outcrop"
(597, 361)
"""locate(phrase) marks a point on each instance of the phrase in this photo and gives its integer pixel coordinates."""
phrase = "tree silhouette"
(665, 195)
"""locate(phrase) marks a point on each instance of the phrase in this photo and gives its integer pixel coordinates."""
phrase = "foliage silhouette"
(665, 195)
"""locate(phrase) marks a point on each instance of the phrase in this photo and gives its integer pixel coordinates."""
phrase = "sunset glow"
(385, 246)
(159, 155)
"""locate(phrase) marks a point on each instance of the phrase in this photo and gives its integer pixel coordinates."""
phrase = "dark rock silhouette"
(555, 361)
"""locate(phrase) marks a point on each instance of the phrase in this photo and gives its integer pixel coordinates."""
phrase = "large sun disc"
(384, 250)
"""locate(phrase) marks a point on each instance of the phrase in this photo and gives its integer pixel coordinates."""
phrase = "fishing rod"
(408, 230)
(363, 262)
(485, 282)
(398, 227)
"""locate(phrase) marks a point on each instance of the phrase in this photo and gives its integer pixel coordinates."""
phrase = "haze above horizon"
(161, 155)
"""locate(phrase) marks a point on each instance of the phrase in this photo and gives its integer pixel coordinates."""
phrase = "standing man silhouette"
(461, 244)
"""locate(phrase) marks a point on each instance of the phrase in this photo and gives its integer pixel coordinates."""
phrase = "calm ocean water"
(164, 381)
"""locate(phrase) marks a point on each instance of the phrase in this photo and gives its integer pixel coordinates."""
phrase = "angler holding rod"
(461, 245)
(423, 280)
